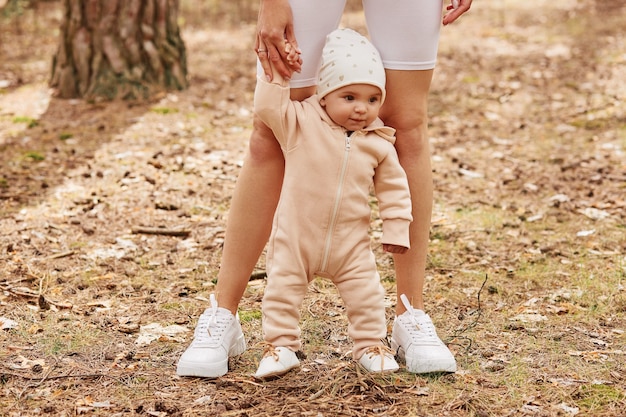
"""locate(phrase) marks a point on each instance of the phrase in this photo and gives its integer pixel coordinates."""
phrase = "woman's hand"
(276, 41)
(455, 10)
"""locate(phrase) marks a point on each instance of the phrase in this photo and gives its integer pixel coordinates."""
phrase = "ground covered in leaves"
(112, 219)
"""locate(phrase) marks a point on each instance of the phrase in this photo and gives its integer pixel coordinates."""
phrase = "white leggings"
(406, 32)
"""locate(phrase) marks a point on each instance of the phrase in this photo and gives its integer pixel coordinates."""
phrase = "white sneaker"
(217, 336)
(276, 361)
(415, 339)
(379, 359)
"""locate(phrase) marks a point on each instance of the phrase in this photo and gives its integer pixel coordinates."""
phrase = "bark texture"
(112, 49)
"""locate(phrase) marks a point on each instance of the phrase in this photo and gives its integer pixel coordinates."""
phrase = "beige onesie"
(322, 220)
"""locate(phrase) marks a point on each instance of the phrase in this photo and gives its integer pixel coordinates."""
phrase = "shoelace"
(419, 322)
(380, 350)
(210, 328)
(269, 349)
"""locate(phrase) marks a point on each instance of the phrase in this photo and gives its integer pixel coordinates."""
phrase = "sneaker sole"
(201, 370)
(275, 374)
(418, 367)
(378, 371)
(214, 370)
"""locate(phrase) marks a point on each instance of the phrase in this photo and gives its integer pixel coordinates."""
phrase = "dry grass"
(526, 262)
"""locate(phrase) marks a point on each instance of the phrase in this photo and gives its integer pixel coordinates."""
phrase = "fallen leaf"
(572, 411)
(128, 328)
(105, 304)
(529, 317)
(203, 400)
(422, 391)
(594, 213)
(470, 174)
(25, 363)
(154, 331)
(6, 324)
(584, 233)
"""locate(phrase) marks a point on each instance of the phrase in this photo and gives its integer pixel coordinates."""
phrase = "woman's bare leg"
(218, 334)
(406, 109)
(250, 216)
(414, 336)
(252, 210)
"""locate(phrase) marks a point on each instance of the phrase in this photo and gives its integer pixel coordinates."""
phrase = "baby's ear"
(323, 102)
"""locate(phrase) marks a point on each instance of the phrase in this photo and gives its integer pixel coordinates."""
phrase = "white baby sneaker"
(276, 361)
(379, 359)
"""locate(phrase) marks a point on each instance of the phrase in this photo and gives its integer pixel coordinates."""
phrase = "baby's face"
(354, 106)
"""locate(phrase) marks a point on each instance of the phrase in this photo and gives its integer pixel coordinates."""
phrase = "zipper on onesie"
(335, 211)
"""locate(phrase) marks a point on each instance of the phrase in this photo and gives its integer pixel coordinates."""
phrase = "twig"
(61, 255)
(258, 275)
(457, 334)
(47, 377)
(160, 231)
(26, 292)
(317, 394)
(14, 347)
(360, 381)
(237, 380)
(23, 292)
(17, 281)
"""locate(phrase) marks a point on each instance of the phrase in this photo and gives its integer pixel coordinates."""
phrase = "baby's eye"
(349, 98)
(373, 99)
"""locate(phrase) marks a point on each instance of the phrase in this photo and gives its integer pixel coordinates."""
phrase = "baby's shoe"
(379, 359)
(276, 361)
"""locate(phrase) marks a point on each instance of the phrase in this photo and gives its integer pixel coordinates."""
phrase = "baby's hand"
(397, 249)
(293, 55)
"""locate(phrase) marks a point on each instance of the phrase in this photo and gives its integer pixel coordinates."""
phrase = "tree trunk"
(126, 49)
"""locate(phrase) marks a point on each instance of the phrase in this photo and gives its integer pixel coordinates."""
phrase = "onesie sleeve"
(394, 199)
(272, 104)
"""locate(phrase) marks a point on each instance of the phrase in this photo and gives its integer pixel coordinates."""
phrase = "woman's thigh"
(313, 20)
(405, 32)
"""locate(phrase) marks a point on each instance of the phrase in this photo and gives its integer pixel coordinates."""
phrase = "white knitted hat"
(349, 58)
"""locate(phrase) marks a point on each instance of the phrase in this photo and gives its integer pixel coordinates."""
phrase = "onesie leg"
(364, 298)
(281, 311)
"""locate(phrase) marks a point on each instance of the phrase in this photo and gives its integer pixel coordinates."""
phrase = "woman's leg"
(414, 336)
(406, 110)
(407, 34)
(250, 217)
(258, 186)
(218, 334)
(251, 211)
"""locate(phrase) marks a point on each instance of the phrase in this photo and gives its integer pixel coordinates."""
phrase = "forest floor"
(99, 296)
